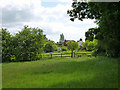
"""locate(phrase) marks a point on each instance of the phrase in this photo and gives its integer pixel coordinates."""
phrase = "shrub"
(90, 45)
(64, 48)
(50, 46)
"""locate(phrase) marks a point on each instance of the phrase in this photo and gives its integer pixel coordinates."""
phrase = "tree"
(30, 43)
(92, 34)
(90, 45)
(6, 45)
(50, 46)
(72, 45)
(25, 45)
(107, 17)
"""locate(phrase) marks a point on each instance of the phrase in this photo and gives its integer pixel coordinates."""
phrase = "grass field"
(84, 72)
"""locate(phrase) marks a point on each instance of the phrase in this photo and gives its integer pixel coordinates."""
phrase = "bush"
(64, 48)
(90, 45)
(50, 46)
(99, 51)
(112, 53)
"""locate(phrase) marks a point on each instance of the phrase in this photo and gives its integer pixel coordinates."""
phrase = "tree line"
(27, 44)
(30, 42)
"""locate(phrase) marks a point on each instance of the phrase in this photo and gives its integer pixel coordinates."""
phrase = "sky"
(49, 15)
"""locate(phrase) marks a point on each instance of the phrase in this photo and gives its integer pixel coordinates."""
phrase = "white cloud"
(53, 20)
(15, 3)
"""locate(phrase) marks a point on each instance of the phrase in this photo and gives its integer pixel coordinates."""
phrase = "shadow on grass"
(90, 72)
(85, 66)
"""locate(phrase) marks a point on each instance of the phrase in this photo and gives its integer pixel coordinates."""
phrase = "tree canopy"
(50, 46)
(72, 45)
(25, 45)
(107, 17)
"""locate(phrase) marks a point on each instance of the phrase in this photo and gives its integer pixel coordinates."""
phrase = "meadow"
(84, 72)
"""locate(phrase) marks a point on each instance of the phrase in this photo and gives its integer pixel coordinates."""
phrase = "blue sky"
(49, 15)
(50, 4)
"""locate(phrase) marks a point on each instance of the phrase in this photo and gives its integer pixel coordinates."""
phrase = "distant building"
(61, 38)
(80, 43)
(59, 48)
(65, 42)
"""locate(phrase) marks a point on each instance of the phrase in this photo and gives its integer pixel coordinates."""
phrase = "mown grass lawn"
(99, 72)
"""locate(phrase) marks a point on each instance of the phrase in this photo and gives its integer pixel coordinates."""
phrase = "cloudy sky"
(49, 15)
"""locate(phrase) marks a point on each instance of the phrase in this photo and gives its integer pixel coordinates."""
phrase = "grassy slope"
(100, 72)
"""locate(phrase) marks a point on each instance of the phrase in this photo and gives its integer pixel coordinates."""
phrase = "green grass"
(99, 72)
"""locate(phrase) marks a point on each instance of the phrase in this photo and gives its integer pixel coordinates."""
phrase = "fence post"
(61, 54)
(74, 54)
(51, 55)
(41, 56)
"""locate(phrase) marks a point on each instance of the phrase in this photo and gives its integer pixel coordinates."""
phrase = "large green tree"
(25, 45)
(30, 43)
(107, 17)
(72, 45)
(7, 47)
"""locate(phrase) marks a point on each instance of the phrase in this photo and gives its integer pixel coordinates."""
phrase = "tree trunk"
(72, 54)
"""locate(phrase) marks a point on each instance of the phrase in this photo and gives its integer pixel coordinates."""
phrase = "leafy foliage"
(93, 33)
(25, 45)
(7, 48)
(90, 45)
(107, 17)
(30, 42)
(64, 48)
(50, 46)
(72, 45)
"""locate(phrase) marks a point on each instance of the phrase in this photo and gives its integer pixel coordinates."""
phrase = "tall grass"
(99, 72)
